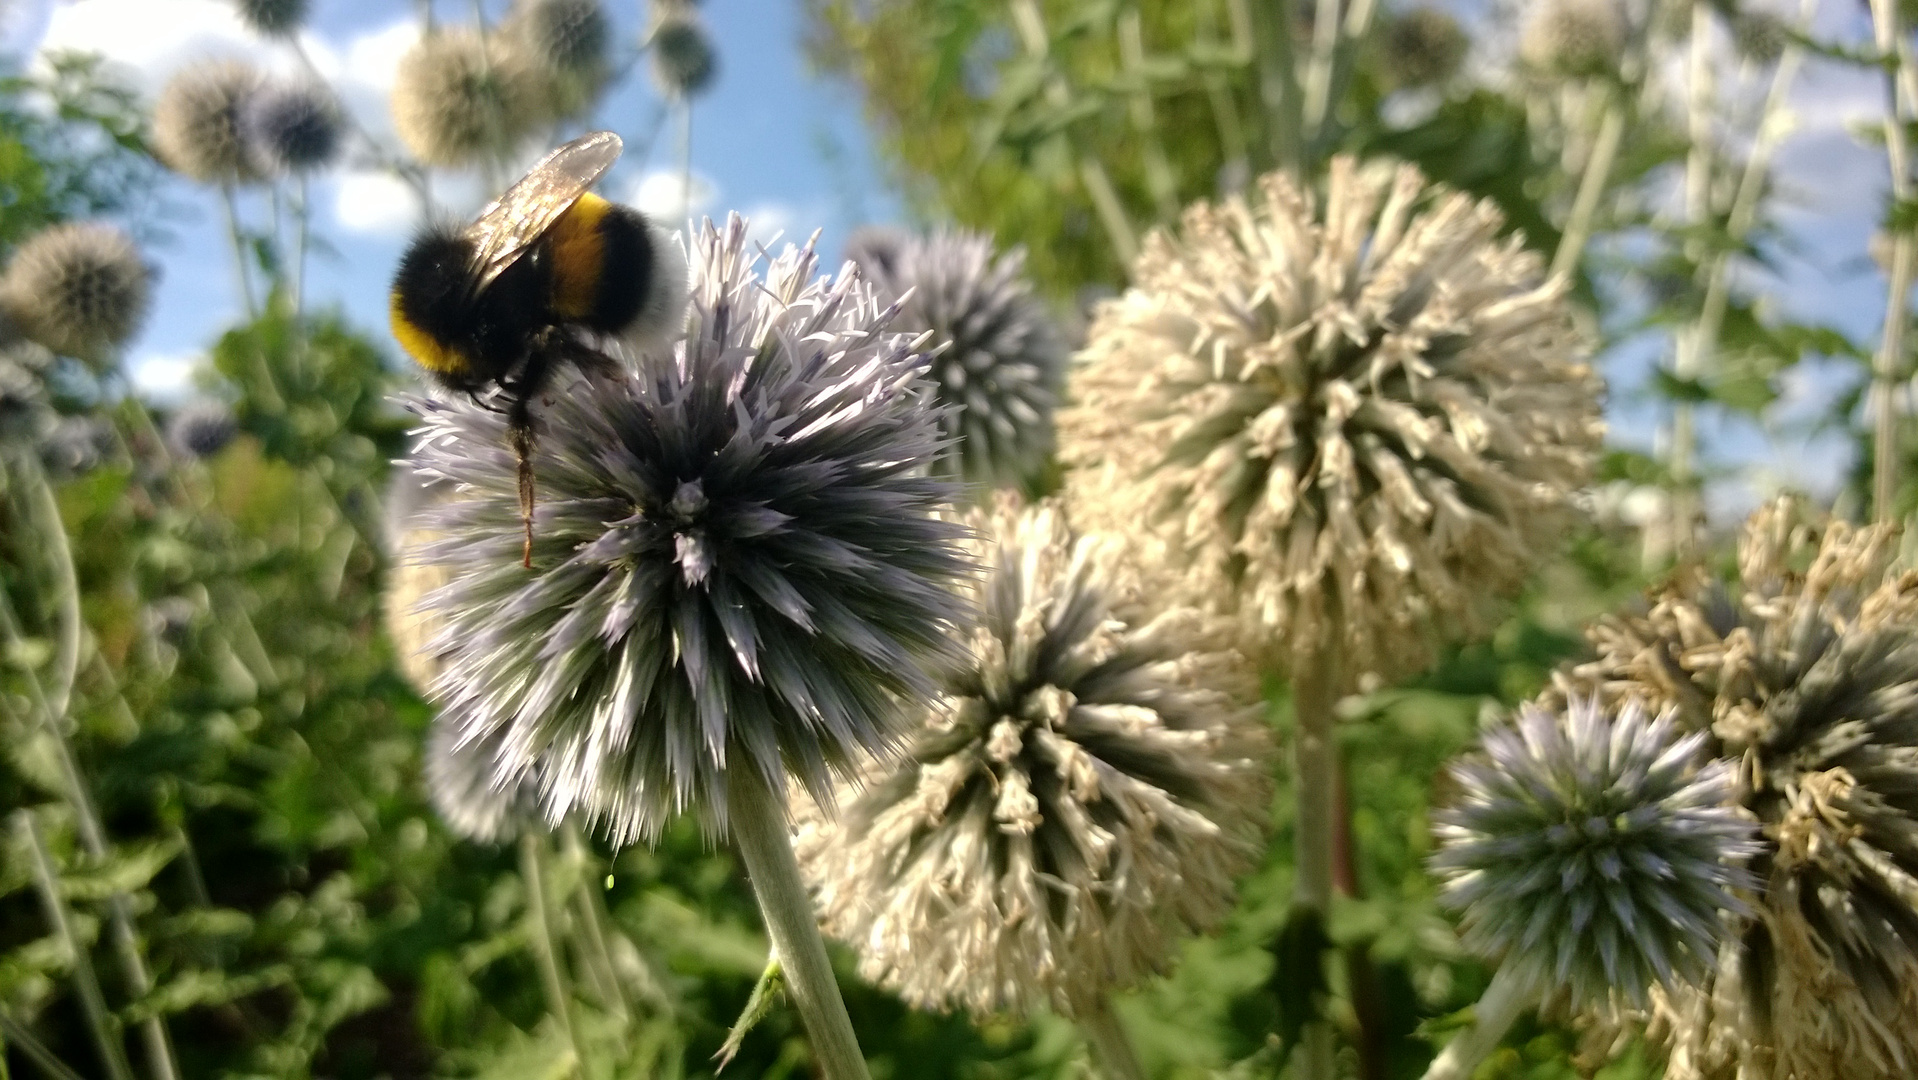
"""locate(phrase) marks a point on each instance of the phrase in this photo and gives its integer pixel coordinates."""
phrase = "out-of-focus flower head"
(460, 98)
(1574, 38)
(201, 428)
(1423, 47)
(199, 125)
(684, 62)
(79, 289)
(294, 128)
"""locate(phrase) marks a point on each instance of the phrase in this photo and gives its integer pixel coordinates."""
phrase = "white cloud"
(166, 376)
(374, 202)
(154, 39)
(773, 225)
(664, 195)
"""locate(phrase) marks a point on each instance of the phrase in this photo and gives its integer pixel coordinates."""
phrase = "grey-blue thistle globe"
(1079, 797)
(565, 45)
(294, 128)
(273, 18)
(202, 428)
(461, 779)
(1804, 670)
(1002, 360)
(80, 289)
(684, 62)
(199, 122)
(737, 557)
(1593, 851)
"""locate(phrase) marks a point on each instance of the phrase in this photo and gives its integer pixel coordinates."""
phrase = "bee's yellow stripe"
(579, 256)
(431, 355)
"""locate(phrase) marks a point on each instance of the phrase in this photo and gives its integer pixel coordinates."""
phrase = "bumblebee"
(548, 274)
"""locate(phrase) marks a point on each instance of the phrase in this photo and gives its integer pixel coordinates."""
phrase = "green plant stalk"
(597, 956)
(12, 1031)
(1278, 89)
(1111, 1047)
(1689, 361)
(757, 817)
(1891, 349)
(532, 856)
(1503, 1002)
(1315, 780)
(1591, 187)
(126, 942)
(231, 212)
(1318, 67)
(99, 1021)
(1158, 170)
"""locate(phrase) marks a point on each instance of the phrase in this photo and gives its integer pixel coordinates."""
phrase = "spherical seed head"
(1079, 796)
(294, 128)
(461, 780)
(567, 35)
(1574, 38)
(273, 18)
(876, 249)
(1424, 47)
(1593, 852)
(1760, 35)
(79, 289)
(1003, 358)
(684, 62)
(201, 428)
(1361, 420)
(1804, 669)
(459, 98)
(737, 562)
(199, 122)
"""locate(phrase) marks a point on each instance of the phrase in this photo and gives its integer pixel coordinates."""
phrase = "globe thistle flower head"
(1760, 35)
(683, 59)
(79, 289)
(876, 248)
(1080, 795)
(201, 428)
(1590, 850)
(461, 779)
(1360, 419)
(737, 562)
(1574, 38)
(460, 98)
(199, 122)
(564, 44)
(273, 18)
(1804, 670)
(1002, 359)
(294, 128)
(1423, 47)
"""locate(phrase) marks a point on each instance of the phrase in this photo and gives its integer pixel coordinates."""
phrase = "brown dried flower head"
(1080, 795)
(1805, 670)
(1361, 417)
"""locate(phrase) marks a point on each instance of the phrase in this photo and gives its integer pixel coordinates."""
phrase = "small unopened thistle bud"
(273, 18)
(1361, 418)
(294, 128)
(684, 62)
(1002, 360)
(1423, 47)
(737, 562)
(80, 290)
(1574, 38)
(202, 428)
(199, 126)
(460, 99)
(1804, 670)
(1080, 795)
(1594, 851)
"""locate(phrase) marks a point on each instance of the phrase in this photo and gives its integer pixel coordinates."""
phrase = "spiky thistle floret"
(201, 428)
(683, 59)
(1361, 419)
(199, 127)
(1081, 794)
(1574, 38)
(462, 781)
(460, 98)
(1592, 852)
(1003, 358)
(737, 562)
(79, 289)
(1805, 670)
(1423, 47)
(294, 128)
(273, 18)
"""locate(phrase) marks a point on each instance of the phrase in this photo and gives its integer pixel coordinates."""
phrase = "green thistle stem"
(14, 1033)
(532, 857)
(231, 212)
(1502, 1003)
(93, 1003)
(599, 957)
(1891, 350)
(1111, 1047)
(1591, 185)
(1315, 773)
(757, 816)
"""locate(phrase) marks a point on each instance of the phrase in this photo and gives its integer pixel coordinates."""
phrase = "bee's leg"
(520, 425)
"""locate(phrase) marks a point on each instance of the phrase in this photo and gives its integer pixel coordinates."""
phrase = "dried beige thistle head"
(1804, 670)
(1080, 795)
(1361, 417)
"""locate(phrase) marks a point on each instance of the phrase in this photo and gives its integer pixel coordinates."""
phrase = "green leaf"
(765, 993)
(127, 869)
(193, 989)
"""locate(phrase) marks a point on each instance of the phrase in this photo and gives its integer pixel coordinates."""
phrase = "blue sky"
(790, 151)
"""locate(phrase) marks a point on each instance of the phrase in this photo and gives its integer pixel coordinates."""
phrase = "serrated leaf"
(758, 1005)
(546, 1055)
(192, 989)
(128, 869)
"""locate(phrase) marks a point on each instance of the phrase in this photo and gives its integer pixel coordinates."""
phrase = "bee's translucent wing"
(514, 221)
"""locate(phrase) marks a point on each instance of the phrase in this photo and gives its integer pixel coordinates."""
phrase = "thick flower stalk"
(1805, 671)
(1363, 417)
(1080, 795)
(1002, 359)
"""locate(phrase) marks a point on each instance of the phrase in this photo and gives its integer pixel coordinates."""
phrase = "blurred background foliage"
(205, 738)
